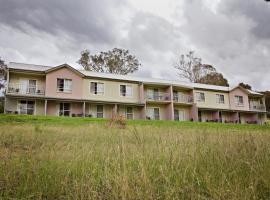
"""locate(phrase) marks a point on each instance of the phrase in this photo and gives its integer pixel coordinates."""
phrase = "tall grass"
(92, 161)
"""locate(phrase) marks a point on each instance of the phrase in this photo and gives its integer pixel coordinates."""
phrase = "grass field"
(76, 158)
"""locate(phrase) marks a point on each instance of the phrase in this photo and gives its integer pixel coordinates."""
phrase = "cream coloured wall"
(210, 100)
(111, 91)
(13, 105)
(136, 111)
(14, 78)
(92, 109)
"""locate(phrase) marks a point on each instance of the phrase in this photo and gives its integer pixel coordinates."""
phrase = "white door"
(23, 86)
(182, 115)
(32, 86)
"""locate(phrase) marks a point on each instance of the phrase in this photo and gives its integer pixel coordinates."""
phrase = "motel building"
(65, 91)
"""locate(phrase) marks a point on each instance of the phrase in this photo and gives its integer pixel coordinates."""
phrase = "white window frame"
(198, 96)
(180, 111)
(65, 90)
(97, 92)
(130, 114)
(19, 109)
(237, 102)
(28, 87)
(218, 98)
(126, 94)
(64, 109)
(100, 112)
(154, 116)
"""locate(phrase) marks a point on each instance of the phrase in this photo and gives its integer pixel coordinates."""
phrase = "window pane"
(129, 113)
(176, 115)
(93, 87)
(60, 84)
(99, 108)
(100, 88)
(67, 85)
(128, 91)
(156, 113)
(123, 90)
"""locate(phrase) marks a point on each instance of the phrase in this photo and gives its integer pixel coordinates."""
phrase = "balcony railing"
(25, 89)
(159, 97)
(182, 98)
(257, 107)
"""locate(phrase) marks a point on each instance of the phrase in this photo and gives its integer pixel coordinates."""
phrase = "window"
(32, 86)
(179, 115)
(64, 85)
(99, 111)
(153, 113)
(175, 96)
(153, 94)
(176, 115)
(220, 98)
(64, 109)
(239, 100)
(27, 107)
(125, 90)
(97, 88)
(156, 113)
(129, 113)
(200, 97)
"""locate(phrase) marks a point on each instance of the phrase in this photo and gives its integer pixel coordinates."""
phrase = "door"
(200, 116)
(32, 86)
(181, 115)
(23, 86)
(176, 115)
(64, 109)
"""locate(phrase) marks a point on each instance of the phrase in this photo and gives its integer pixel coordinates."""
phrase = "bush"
(118, 121)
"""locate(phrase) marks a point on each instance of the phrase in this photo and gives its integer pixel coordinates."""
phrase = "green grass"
(76, 158)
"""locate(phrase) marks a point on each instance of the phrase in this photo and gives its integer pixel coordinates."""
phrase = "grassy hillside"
(74, 158)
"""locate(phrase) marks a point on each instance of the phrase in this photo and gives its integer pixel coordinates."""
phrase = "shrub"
(118, 121)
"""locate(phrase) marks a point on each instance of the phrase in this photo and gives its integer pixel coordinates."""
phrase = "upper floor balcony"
(23, 89)
(257, 107)
(159, 96)
(183, 98)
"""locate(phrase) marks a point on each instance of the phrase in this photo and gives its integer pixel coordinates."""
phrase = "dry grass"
(92, 161)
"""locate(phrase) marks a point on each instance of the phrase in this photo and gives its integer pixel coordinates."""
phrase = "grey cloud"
(235, 39)
(226, 40)
(91, 21)
(256, 11)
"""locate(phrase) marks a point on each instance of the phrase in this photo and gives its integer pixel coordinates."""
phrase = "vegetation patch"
(76, 158)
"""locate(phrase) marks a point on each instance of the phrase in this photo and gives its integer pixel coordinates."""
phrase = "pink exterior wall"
(170, 107)
(142, 111)
(215, 115)
(52, 108)
(238, 92)
(76, 108)
(65, 73)
(194, 112)
(141, 93)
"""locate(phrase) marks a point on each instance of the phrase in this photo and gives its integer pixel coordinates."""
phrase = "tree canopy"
(246, 86)
(116, 61)
(191, 68)
(3, 73)
(214, 78)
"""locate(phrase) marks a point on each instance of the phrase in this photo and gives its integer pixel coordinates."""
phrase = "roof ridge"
(29, 64)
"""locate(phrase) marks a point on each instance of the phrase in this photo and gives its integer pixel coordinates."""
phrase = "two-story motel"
(66, 91)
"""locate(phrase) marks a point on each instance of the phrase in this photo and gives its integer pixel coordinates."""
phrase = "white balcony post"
(45, 107)
(84, 109)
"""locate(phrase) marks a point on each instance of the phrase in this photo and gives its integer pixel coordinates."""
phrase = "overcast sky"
(232, 35)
